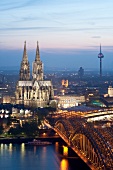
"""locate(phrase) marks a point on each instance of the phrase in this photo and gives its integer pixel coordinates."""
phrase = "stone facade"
(67, 101)
(33, 91)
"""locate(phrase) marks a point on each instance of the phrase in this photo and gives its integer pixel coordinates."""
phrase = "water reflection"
(22, 150)
(56, 147)
(64, 165)
(22, 157)
(34, 149)
(44, 151)
(1, 148)
(5, 146)
(62, 152)
(10, 148)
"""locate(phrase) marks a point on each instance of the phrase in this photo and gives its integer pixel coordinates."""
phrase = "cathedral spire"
(25, 52)
(25, 68)
(37, 72)
(37, 58)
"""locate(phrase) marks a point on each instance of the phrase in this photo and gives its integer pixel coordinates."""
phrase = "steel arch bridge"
(93, 144)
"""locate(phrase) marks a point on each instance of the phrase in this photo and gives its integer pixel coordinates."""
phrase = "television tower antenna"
(100, 55)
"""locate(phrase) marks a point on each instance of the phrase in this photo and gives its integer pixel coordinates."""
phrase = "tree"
(1, 129)
(15, 131)
(30, 128)
(53, 104)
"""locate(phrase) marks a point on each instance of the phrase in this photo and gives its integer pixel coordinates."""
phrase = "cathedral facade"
(35, 91)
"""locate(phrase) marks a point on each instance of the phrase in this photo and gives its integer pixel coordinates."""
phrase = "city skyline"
(69, 33)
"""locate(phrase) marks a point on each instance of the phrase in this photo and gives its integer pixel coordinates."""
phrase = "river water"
(24, 157)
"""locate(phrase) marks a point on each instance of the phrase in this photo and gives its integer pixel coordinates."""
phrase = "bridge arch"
(88, 142)
(65, 127)
(84, 142)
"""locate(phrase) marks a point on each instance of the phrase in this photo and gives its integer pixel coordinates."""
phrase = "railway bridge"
(91, 140)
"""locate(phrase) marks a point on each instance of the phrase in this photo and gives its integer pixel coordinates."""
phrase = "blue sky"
(69, 31)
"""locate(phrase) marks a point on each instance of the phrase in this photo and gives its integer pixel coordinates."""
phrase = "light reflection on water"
(22, 150)
(23, 157)
(64, 165)
(10, 148)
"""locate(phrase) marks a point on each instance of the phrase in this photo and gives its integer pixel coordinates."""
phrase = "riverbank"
(25, 140)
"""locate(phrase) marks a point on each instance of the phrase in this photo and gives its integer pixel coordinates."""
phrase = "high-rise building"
(110, 91)
(33, 91)
(80, 72)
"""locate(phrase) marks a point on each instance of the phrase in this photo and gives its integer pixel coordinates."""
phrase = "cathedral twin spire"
(25, 52)
(25, 68)
(37, 72)
(37, 58)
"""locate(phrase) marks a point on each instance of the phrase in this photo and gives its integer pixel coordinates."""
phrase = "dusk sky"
(69, 32)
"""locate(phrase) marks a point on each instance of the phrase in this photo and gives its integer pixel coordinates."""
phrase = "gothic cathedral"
(35, 91)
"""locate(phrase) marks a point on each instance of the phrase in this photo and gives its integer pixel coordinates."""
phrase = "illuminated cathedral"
(33, 91)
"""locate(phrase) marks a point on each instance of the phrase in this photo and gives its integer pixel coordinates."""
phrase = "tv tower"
(100, 55)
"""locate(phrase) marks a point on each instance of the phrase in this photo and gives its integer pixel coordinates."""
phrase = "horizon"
(59, 58)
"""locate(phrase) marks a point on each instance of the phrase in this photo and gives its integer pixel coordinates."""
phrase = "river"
(24, 157)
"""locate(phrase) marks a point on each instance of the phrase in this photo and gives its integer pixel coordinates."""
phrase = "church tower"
(25, 68)
(34, 92)
(37, 66)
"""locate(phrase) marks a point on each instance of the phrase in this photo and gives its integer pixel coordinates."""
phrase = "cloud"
(88, 49)
(26, 28)
(96, 37)
(4, 6)
(64, 29)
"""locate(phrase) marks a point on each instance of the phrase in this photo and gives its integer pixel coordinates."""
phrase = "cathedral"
(35, 91)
